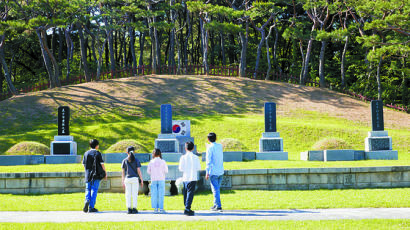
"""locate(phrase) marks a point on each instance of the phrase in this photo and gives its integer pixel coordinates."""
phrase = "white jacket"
(189, 164)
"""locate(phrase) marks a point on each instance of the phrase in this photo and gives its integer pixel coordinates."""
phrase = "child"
(189, 164)
(130, 173)
(157, 168)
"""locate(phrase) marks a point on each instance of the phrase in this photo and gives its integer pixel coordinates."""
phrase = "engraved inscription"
(379, 144)
(270, 117)
(377, 115)
(271, 145)
(166, 146)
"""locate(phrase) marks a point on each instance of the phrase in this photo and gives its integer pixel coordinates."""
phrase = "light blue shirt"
(214, 159)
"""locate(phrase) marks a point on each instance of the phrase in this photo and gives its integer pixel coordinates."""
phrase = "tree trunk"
(47, 62)
(131, 31)
(7, 76)
(171, 57)
(141, 41)
(404, 88)
(100, 60)
(301, 80)
(204, 41)
(322, 82)
(244, 43)
(111, 48)
(306, 64)
(69, 43)
(84, 54)
(157, 48)
(222, 48)
(60, 45)
(275, 48)
(379, 84)
(258, 53)
(189, 31)
(343, 63)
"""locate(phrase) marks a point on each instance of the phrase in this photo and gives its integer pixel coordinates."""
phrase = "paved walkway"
(293, 214)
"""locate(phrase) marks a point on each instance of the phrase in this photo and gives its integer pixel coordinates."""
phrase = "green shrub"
(121, 147)
(231, 144)
(29, 148)
(331, 143)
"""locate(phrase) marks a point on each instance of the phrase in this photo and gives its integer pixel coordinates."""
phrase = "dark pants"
(188, 191)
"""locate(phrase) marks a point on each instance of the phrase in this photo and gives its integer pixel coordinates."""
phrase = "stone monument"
(168, 142)
(271, 144)
(378, 145)
(63, 144)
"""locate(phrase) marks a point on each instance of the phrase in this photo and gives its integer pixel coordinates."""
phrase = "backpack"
(97, 172)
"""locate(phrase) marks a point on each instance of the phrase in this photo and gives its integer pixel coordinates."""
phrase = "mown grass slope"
(232, 107)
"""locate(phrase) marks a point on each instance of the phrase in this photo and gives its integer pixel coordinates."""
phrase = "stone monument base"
(382, 155)
(276, 155)
(270, 142)
(378, 140)
(171, 157)
(167, 143)
(62, 159)
(63, 145)
(333, 155)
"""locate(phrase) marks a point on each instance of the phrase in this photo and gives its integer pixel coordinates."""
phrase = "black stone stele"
(270, 117)
(377, 115)
(63, 121)
(166, 119)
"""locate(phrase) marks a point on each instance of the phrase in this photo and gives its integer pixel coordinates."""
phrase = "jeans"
(131, 191)
(216, 182)
(157, 194)
(188, 191)
(91, 189)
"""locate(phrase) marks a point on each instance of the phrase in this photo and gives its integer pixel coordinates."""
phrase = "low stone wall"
(265, 179)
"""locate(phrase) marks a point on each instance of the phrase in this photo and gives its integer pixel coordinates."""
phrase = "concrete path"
(294, 214)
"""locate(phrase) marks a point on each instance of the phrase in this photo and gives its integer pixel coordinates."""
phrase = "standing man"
(189, 164)
(214, 169)
(92, 184)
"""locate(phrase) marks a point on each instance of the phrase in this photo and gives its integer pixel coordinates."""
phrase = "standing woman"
(157, 168)
(131, 172)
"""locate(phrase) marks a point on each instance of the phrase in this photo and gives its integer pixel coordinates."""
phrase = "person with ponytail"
(131, 174)
(157, 168)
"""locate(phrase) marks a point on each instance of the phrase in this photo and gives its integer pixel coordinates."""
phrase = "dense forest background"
(358, 45)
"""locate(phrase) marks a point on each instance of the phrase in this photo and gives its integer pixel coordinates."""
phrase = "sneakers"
(216, 209)
(85, 209)
(134, 211)
(162, 211)
(156, 211)
(189, 212)
(129, 210)
(93, 210)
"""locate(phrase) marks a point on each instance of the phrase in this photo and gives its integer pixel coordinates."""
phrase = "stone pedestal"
(271, 147)
(167, 143)
(378, 146)
(63, 145)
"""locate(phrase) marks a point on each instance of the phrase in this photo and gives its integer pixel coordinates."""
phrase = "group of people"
(189, 165)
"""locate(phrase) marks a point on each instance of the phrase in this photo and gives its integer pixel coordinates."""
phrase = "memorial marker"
(271, 144)
(63, 120)
(270, 117)
(166, 119)
(63, 143)
(377, 115)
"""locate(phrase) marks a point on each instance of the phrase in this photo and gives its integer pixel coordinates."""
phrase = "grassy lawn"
(231, 200)
(227, 165)
(299, 131)
(318, 224)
